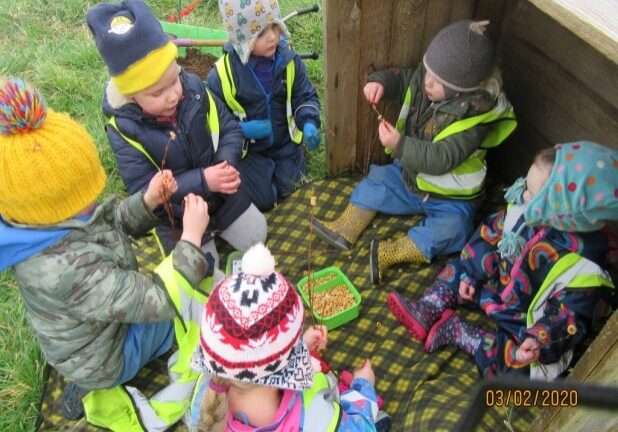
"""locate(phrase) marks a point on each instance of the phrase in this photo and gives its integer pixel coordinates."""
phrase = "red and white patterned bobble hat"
(252, 325)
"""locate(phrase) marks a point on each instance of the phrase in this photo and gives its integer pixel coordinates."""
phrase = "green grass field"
(48, 43)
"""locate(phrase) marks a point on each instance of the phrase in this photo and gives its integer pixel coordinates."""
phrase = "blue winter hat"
(132, 43)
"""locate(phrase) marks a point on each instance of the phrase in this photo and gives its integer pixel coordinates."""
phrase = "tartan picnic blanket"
(422, 392)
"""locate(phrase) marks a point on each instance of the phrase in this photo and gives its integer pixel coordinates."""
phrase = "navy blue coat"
(187, 156)
(274, 165)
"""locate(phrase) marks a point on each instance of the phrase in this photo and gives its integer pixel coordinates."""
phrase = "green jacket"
(81, 293)
(416, 150)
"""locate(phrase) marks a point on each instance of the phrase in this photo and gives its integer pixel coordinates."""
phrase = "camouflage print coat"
(81, 292)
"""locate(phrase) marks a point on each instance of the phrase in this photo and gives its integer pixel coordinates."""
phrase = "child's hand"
(466, 290)
(373, 92)
(316, 338)
(389, 136)
(163, 182)
(311, 135)
(222, 177)
(528, 351)
(195, 219)
(365, 371)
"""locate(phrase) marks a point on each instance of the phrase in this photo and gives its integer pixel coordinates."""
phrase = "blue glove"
(312, 136)
(256, 129)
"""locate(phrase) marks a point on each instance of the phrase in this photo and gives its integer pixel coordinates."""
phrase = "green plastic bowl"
(339, 278)
(186, 31)
(234, 261)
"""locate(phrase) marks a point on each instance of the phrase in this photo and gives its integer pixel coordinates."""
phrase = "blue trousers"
(144, 342)
(271, 178)
(447, 226)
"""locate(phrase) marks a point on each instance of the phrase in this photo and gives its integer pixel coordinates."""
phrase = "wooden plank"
(494, 11)
(556, 104)
(567, 50)
(376, 42)
(602, 14)
(341, 35)
(581, 26)
(393, 45)
(460, 10)
(436, 18)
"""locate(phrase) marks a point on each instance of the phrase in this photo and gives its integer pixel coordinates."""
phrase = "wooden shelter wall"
(562, 88)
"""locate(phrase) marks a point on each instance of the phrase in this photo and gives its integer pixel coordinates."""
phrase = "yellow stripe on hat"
(146, 71)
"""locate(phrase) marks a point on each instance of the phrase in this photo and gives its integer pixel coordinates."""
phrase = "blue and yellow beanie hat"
(132, 43)
(49, 165)
(580, 194)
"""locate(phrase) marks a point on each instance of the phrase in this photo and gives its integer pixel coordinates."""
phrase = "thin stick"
(166, 193)
(380, 116)
(312, 203)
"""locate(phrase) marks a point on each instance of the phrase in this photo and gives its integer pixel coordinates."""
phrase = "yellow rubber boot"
(344, 231)
(384, 254)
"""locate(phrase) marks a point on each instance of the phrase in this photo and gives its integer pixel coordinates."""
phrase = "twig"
(166, 193)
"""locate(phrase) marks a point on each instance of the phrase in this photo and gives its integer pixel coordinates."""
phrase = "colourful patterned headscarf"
(580, 194)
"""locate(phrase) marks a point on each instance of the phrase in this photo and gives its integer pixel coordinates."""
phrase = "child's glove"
(312, 136)
(256, 129)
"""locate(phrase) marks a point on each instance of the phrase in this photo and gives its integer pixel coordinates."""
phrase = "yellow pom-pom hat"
(132, 43)
(49, 165)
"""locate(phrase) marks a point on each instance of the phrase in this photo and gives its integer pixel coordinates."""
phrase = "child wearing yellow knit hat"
(161, 115)
(97, 319)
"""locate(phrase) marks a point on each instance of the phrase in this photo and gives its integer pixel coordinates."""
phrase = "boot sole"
(402, 314)
(432, 331)
(330, 237)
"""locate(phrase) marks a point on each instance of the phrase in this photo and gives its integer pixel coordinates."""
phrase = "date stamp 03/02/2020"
(531, 398)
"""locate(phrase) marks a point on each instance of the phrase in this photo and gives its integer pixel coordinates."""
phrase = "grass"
(48, 43)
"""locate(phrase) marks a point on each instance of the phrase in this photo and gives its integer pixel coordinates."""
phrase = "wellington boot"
(345, 230)
(384, 254)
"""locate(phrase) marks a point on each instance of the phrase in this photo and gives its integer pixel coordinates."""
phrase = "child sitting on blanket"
(265, 84)
(263, 377)
(163, 117)
(97, 319)
(535, 268)
(453, 110)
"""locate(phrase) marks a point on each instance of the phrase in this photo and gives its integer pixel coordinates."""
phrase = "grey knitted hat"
(461, 56)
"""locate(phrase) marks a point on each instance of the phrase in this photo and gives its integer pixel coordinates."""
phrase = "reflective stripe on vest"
(321, 412)
(113, 409)
(466, 180)
(571, 271)
(224, 70)
(212, 124)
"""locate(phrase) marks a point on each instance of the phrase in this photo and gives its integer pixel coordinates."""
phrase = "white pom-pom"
(258, 261)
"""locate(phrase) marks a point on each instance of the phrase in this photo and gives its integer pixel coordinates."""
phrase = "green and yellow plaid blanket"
(422, 392)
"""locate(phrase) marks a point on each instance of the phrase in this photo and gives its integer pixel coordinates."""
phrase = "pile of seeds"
(322, 280)
(332, 301)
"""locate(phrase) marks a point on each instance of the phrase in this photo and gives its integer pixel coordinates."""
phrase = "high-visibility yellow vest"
(466, 181)
(321, 413)
(124, 408)
(572, 271)
(224, 70)
(212, 123)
